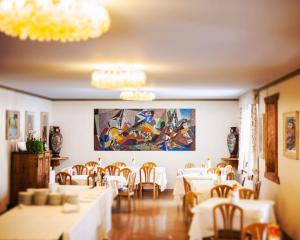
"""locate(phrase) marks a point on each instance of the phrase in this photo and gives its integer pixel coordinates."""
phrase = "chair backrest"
(255, 231)
(230, 176)
(189, 165)
(246, 193)
(221, 190)
(257, 187)
(214, 170)
(89, 178)
(131, 182)
(227, 211)
(147, 173)
(119, 164)
(125, 172)
(221, 165)
(187, 186)
(80, 169)
(100, 171)
(112, 170)
(62, 178)
(149, 164)
(91, 164)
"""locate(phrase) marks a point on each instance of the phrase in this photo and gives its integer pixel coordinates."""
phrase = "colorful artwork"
(291, 137)
(144, 129)
(12, 125)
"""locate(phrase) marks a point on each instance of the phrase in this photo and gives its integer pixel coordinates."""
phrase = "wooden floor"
(151, 219)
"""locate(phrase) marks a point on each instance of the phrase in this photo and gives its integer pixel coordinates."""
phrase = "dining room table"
(253, 210)
(91, 219)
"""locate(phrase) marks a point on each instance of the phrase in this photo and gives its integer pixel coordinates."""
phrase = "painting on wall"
(144, 130)
(29, 124)
(12, 125)
(44, 126)
(291, 134)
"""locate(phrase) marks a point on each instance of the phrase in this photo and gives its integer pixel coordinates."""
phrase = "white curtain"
(247, 147)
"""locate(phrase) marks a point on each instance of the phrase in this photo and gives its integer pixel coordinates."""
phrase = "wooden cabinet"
(28, 170)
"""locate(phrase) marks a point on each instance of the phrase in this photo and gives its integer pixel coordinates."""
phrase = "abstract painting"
(12, 125)
(144, 130)
(291, 134)
(44, 126)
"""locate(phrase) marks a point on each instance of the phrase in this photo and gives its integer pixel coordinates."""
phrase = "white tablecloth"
(205, 179)
(254, 211)
(49, 222)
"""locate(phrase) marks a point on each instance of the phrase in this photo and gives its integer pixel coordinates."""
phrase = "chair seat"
(229, 234)
(149, 184)
(125, 193)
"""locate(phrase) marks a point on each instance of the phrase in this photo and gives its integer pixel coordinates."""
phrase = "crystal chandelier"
(116, 76)
(53, 20)
(137, 95)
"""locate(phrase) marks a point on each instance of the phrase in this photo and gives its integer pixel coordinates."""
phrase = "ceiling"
(191, 49)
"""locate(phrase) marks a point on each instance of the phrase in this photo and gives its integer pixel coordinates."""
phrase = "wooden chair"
(91, 164)
(227, 212)
(119, 164)
(128, 192)
(230, 176)
(148, 175)
(255, 231)
(189, 165)
(112, 170)
(221, 165)
(187, 186)
(257, 187)
(62, 178)
(221, 190)
(246, 193)
(80, 169)
(191, 200)
(214, 170)
(149, 164)
(100, 171)
(90, 178)
(125, 172)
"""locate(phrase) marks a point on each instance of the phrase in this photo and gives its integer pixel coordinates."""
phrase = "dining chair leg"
(129, 203)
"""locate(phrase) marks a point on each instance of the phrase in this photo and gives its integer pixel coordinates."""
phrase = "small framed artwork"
(12, 125)
(291, 134)
(44, 125)
(29, 124)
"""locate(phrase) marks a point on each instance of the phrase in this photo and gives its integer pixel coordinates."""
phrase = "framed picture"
(29, 124)
(291, 135)
(44, 126)
(12, 125)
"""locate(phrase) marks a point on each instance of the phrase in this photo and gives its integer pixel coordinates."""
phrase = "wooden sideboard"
(234, 162)
(28, 170)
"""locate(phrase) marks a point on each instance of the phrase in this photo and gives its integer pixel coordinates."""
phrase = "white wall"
(213, 120)
(10, 100)
(287, 193)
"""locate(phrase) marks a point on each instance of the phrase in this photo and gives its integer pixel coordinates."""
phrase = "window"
(271, 138)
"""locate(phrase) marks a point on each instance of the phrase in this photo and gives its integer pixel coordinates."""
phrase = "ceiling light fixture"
(53, 20)
(137, 95)
(116, 76)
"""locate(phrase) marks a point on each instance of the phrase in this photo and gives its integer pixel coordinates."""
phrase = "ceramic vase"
(55, 140)
(233, 142)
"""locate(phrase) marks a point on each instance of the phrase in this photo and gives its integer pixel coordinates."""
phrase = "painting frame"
(145, 129)
(9, 125)
(261, 135)
(291, 134)
(44, 126)
(29, 124)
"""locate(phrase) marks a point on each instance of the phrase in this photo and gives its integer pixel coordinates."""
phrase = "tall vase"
(233, 142)
(55, 140)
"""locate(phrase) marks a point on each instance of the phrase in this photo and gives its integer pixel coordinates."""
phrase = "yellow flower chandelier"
(137, 95)
(53, 20)
(116, 76)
